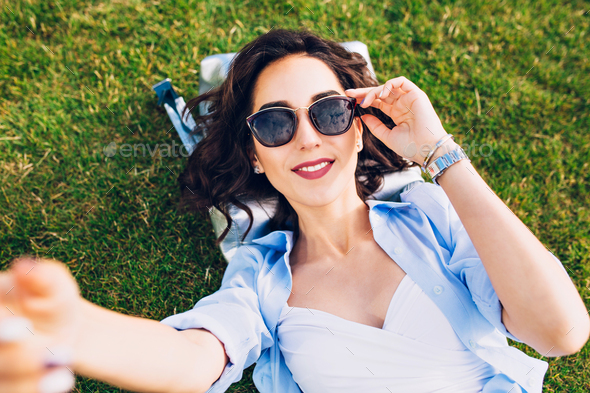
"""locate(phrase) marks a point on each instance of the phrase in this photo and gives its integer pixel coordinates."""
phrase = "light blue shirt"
(426, 238)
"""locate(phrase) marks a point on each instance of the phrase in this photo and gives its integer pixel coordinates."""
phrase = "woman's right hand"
(40, 319)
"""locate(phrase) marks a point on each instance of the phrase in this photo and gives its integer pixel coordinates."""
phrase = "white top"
(416, 351)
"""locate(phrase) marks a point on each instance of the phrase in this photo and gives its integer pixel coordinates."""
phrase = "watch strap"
(438, 166)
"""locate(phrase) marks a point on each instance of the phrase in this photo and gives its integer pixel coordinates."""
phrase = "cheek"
(351, 149)
(352, 136)
(272, 160)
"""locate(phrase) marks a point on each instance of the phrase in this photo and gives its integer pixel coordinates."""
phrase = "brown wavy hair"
(219, 171)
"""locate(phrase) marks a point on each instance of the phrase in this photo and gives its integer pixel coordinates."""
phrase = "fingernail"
(58, 381)
(381, 94)
(6, 283)
(58, 356)
(349, 90)
(14, 329)
(362, 102)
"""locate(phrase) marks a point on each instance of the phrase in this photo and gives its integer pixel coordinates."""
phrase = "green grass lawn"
(75, 76)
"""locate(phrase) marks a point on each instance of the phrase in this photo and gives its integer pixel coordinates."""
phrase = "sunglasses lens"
(274, 127)
(333, 116)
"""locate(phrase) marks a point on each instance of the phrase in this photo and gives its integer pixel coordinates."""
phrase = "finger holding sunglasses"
(387, 92)
(393, 89)
(387, 97)
(418, 127)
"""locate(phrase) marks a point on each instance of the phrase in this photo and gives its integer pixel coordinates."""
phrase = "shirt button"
(397, 250)
(437, 289)
(472, 343)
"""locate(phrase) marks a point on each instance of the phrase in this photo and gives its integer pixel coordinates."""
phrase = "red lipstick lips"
(313, 174)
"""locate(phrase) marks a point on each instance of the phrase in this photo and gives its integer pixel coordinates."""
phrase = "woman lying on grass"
(347, 293)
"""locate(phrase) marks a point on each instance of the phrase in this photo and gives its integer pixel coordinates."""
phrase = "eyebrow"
(314, 98)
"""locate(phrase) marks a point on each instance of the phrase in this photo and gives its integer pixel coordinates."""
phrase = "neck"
(331, 231)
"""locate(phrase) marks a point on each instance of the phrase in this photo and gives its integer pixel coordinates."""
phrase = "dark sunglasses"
(274, 127)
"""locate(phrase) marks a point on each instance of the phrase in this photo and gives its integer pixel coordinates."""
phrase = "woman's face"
(296, 79)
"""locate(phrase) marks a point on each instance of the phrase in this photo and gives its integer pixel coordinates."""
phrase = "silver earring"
(358, 144)
(256, 168)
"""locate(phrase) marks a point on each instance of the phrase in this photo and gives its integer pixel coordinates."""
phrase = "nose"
(306, 135)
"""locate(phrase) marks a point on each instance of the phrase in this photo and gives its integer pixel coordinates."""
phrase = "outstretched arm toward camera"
(133, 353)
(145, 355)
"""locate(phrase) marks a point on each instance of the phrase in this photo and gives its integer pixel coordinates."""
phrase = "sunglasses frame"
(293, 113)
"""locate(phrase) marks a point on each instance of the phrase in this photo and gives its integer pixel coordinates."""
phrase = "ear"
(359, 128)
(254, 160)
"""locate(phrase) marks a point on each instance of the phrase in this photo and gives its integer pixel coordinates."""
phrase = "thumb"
(377, 128)
(394, 138)
(41, 278)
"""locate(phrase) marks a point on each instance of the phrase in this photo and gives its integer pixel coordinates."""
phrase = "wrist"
(449, 157)
(83, 322)
(440, 179)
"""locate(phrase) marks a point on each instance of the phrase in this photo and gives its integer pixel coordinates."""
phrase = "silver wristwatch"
(438, 166)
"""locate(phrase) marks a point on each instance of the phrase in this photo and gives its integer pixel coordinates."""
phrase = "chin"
(318, 198)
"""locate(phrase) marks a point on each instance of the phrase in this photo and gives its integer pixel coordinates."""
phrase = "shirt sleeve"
(233, 315)
(465, 262)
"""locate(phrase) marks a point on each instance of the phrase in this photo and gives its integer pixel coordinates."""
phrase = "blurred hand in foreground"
(40, 320)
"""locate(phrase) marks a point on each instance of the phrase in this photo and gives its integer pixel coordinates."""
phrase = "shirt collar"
(282, 240)
(277, 240)
(385, 205)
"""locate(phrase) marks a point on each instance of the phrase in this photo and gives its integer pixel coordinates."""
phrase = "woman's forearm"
(143, 355)
(541, 305)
